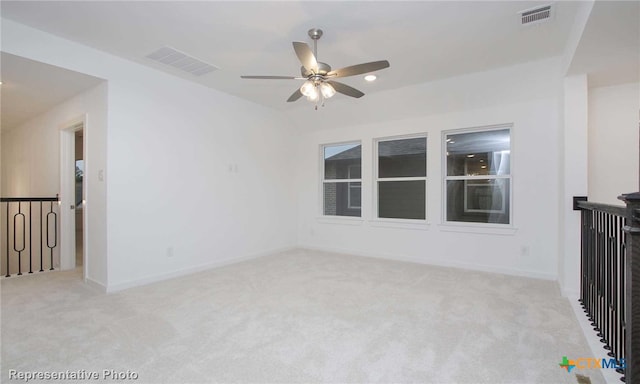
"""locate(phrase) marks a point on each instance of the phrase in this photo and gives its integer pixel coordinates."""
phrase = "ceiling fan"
(319, 84)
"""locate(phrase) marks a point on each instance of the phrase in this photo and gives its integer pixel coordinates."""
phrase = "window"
(342, 179)
(401, 178)
(478, 176)
(79, 176)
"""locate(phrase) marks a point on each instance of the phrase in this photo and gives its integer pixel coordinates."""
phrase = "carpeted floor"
(299, 316)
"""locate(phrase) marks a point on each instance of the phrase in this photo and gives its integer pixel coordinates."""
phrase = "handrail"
(27, 199)
(617, 210)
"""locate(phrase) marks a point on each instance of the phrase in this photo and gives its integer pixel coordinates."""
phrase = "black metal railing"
(609, 269)
(30, 235)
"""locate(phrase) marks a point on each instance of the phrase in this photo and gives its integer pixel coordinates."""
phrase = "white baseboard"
(440, 263)
(190, 270)
(95, 285)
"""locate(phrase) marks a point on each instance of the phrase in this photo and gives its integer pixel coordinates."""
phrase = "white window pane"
(402, 199)
(342, 199)
(479, 153)
(479, 201)
(402, 158)
(342, 161)
(355, 196)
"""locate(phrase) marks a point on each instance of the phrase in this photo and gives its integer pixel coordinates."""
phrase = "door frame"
(67, 194)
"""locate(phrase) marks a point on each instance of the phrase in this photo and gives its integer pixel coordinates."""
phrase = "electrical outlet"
(524, 250)
(169, 251)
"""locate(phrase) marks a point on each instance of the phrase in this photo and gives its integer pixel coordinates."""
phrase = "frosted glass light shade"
(313, 96)
(327, 90)
(308, 88)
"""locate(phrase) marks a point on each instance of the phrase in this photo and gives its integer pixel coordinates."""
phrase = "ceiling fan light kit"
(327, 90)
(319, 84)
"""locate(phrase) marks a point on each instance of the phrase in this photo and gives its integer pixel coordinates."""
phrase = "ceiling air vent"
(535, 15)
(181, 61)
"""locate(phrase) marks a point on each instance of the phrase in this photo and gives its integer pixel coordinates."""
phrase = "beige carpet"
(299, 316)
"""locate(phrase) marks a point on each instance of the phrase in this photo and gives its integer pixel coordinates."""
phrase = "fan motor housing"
(323, 69)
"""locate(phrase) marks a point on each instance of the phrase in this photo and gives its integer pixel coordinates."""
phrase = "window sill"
(484, 229)
(420, 225)
(343, 220)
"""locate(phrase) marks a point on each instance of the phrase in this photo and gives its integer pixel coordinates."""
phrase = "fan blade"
(359, 69)
(345, 89)
(306, 56)
(295, 96)
(271, 77)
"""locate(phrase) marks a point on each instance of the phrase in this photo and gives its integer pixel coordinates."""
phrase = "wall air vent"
(535, 15)
(173, 57)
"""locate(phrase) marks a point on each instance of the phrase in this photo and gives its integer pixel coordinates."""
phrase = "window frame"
(349, 181)
(469, 180)
(377, 179)
(351, 186)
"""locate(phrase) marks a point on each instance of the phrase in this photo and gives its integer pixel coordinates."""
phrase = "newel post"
(632, 287)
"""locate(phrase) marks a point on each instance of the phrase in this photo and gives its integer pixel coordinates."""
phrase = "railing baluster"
(609, 270)
(8, 273)
(41, 238)
(30, 239)
(621, 282)
(614, 288)
(55, 236)
(19, 227)
(15, 231)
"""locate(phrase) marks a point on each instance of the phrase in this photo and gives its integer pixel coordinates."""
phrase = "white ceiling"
(609, 48)
(30, 88)
(423, 41)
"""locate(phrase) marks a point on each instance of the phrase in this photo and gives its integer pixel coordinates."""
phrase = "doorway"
(73, 195)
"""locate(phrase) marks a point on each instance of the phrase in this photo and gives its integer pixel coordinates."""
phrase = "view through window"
(342, 179)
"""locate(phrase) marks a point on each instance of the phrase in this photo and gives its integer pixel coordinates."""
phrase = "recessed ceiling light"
(370, 77)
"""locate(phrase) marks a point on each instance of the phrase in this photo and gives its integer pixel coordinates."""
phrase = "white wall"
(613, 142)
(31, 164)
(600, 151)
(526, 96)
(201, 175)
(574, 166)
(168, 147)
